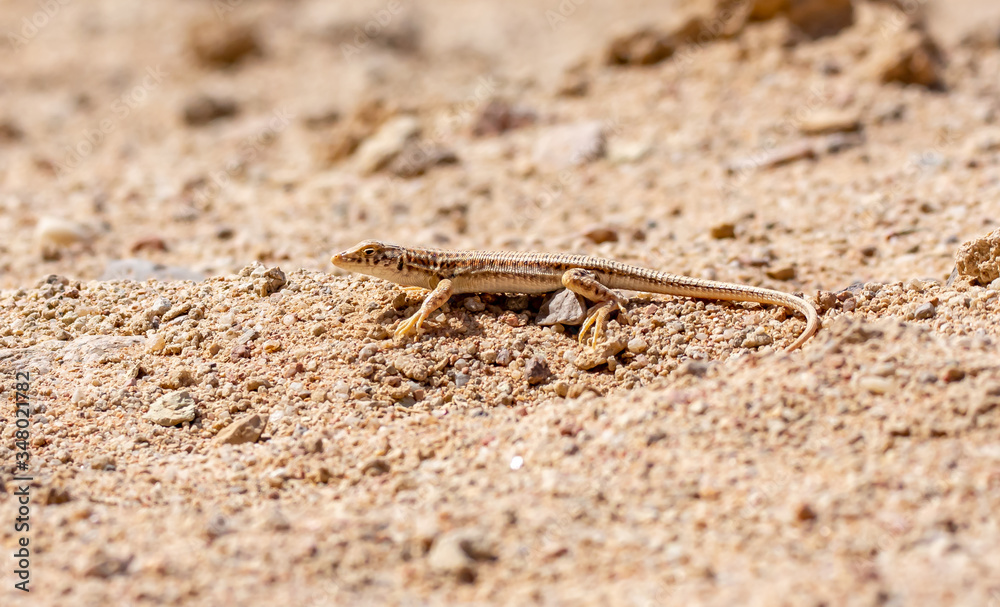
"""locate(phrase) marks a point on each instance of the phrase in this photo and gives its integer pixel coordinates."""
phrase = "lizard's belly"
(506, 284)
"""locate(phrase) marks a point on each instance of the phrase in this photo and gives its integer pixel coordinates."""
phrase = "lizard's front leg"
(585, 283)
(435, 300)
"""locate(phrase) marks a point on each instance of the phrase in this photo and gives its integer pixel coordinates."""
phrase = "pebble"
(564, 307)
(474, 304)
(367, 352)
(820, 18)
(782, 273)
(172, 409)
(824, 122)
(413, 368)
(565, 146)
(536, 370)
(756, 340)
(977, 259)
(875, 384)
(203, 109)
(593, 357)
(160, 307)
(504, 357)
(458, 551)
(55, 233)
(498, 117)
(244, 430)
(416, 158)
(723, 230)
(601, 233)
(953, 374)
(924, 311)
(637, 345)
(220, 43)
(377, 151)
(911, 58)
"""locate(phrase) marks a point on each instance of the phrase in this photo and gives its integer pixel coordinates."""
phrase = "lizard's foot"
(410, 325)
(598, 319)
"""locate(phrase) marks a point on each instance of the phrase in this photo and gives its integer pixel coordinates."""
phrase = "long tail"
(686, 286)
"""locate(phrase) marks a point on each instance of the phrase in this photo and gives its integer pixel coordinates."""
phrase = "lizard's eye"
(369, 251)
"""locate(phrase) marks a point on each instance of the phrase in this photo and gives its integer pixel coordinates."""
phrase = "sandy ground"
(220, 152)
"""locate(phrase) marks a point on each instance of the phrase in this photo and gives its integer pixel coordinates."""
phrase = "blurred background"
(724, 138)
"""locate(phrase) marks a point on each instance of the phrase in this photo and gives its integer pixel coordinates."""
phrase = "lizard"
(451, 272)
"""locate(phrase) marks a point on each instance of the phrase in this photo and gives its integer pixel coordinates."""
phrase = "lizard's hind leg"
(584, 282)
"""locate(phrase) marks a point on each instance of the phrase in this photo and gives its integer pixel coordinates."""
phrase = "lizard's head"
(370, 257)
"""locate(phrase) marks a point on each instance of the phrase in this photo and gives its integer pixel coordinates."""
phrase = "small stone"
(756, 340)
(561, 388)
(627, 152)
(474, 304)
(268, 281)
(244, 430)
(779, 156)
(565, 146)
(498, 117)
(536, 370)
(563, 307)
(238, 352)
(457, 552)
(825, 122)
(977, 260)
(148, 243)
(53, 234)
(156, 343)
(218, 43)
(160, 307)
(820, 18)
(924, 311)
(723, 230)
(593, 357)
(255, 383)
(782, 273)
(376, 152)
(417, 157)
(914, 58)
(203, 109)
(376, 466)
(504, 357)
(647, 46)
(694, 368)
(100, 564)
(875, 384)
(412, 368)
(601, 234)
(826, 301)
(248, 336)
(953, 374)
(103, 462)
(172, 409)
(637, 345)
(271, 345)
(805, 513)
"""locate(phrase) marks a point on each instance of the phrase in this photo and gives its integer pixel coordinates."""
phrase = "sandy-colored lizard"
(447, 273)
